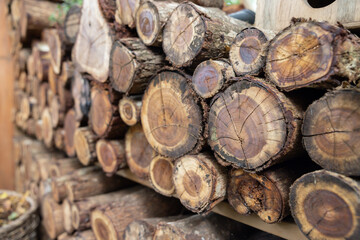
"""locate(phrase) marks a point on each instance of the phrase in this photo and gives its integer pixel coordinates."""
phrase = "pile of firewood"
(200, 104)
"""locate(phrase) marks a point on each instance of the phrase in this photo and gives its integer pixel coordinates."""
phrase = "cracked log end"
(331, 131)
(326, 205)
(52, 214)
(170, 116)
(160, 175)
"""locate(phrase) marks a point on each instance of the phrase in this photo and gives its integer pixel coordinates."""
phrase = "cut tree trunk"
(129, 109)
(253, 126)
(125, 12)
(132, 64)
(47, 128)
(38, 130)
(110, 222)
(206, 3)
(67, 73)
(331, 133)
(194, 34)
(53, 219)
(67, 205)
(59, 138)
(53, 79)
(26, 106)
(81, 93)
(92, 47)
(111, 155)
(70, 125)
(84, 235)
(41, 54)
(57, 49)
(171, 117)
(85, 145)
(72, 23)
(161, 175)
(248, 52)
(325, 205)
(57, 116)
(200, 182)
(212, 76)
(138, 152)
(65, 98)
(63, 167)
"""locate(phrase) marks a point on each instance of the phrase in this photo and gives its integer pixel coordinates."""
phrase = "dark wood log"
(72, 23)
(212, 76)
(52, 214)
(108, 9)
(70, 125)
(138, 151)
(161, 175)
(59, 137)
(325, 205)
(194, 34)
(111, 221)
(63, 167)
(266, 132)
(129, 109)
(47, 128)
(85, 145)
(81, 93)
(132, 64)
(330, 131)
(171, 116)
(111, 155)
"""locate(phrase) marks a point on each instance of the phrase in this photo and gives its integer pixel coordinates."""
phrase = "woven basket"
(25, 226)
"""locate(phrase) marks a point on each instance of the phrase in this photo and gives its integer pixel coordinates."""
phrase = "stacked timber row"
(203, 106)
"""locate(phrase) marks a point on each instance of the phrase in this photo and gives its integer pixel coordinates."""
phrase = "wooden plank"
(7, 172)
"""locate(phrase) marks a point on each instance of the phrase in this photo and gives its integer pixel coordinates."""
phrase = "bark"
(53, 220)
(63, 167)
(108, 9)
(129, 109)
(111, 155)
(161, 175)
(38, 130)
(72, 23)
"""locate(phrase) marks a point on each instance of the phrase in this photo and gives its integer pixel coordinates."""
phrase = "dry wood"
(63, 167)
(125, 12)
(206, 3)
(161, 175)
(111, 155)
(18, 14)
(57, 49)
(41, 54)
(43, 161)
(67, 205)
(129, 109)
(24, 54)
(67, 73)
(30, 66)
(65, 98)
(194, 34)
(325, 205)
(70, 125)
(72, 23)
(20, 178)
(331, 131)
(212, 76)
(59, 137)
(53, 79)
(92, 47)
(26, 106)
(110, 222)
(44, 189)
(81, 93)
(47, 128)
(57, 116)
(132, 64)
(22, 80)
(52, 214)
(253, 126)
(170, 98)
(85, 145)
(84, 235)
(38, 130)
(138, 152)
(17, 149)
(41, 97)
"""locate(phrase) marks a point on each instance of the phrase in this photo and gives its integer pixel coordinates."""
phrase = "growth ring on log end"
(325, 205)
(170, 116)
(148, 23)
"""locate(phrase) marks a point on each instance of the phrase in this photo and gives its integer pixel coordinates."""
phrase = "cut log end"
(70, 125)
(75, 216)
(53, 217)
(148, 23)
(67, 216)
(129, 110)
(72, 23)
(85, 142)
(102, 226)
(47, 128)
(54, 43)
(111, 155)
(160, 174)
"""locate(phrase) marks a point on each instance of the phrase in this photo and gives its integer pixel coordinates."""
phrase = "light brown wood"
(63, 167)
(85, 145)
(59, 137)
(126, 10)
(67, 205)
(111, 155)
(47, 128)
(57, 49)
(70, 125)
(161, 175)
(52, 213)
(72, 23)
(129, 109)
(80, 89)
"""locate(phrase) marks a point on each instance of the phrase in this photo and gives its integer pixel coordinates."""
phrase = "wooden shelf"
(287, 230)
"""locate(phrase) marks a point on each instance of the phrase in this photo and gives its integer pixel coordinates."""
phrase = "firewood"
(42, 99)
(138, 152)
(113, 219)
(26, 105)
(53, 219)
(70, 125)
(85, 145)
(57, 116)
(247, 53)
(59, 137)
(92, 47)
(170, 98)
(67, 73)
(129, 109)
(161, 175)
(212, 76)
(67, 205)
(24, 54)
(18, 13)
(132, 64)
(240, 139)
(72, 23)
(17, 150)
(47, 128)
(34, 191)
(84, 235)
(65, 97)
(57, 49)
(206, 3)
(150, 20)
(111, 155)
(330, 131)
(81, 93)
(126, 10)
(40, 52)
(38, 130)
(43, 162)
(30, 66)
(44, 189)
(23, 80)
(53, 79)
(209, 32)
(325, 205)
(63, 167)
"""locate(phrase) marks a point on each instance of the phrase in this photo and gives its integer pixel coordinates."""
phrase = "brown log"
(129, 109)
(85, 145)
(30, 66)
(138, 152)
(26, 105)
(42, 96)
(59, 137)
(91, 51)
(17, 150)
(38, 130)
(57, 116)
(67, 205)
(81, 210)
(206, 3)
(72, 23)
(53, 79)
(67, 73)
(126, 10)
(330, 131)
(111, 221)
(53, 219)
(30, 127)
(18, 14)
(132, 64)
(150, 20)
(20, 178)
(47, 128)
(161, 175)
(40, 52)
(70, 125)
(65, 98)
(325, 205)
(84, 235)
(57, 49)
(22, 80)
(247, 53)
(212, 76)
(104, 117)
(34, 191)
(43, 161)
(111, 155)
(24, 54)
(266, 131)
(44, 189)
(171, 116)
(63, 167)
(209, 32)
(81, 93)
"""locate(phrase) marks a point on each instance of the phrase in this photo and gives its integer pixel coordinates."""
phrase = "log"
(330, 131)
(248, 52)
(72, 23)
(57, 49)
(53, 79)
(92, 47)
(38, 130)
(212, 76)
(59, 137)
(65, 98)
(84, 235)
(23, 80)
(67, 73)
(111, 155)
(85, 145)
(171, 117)
(24, 54)
(194, 34)
(57, 116)
(44, 189)
(129, 109)
(104, 116)
(70, 125)
(150, 20)
(63, 167)
(125, 11)
(47, 128)
(30, 66)
(81, 210)
(42, 99)
(206, 3)
(67, 205)
(132, 64)
(240, 139)
(161, 175)
(200, 182)
(33, 189)
(43, 161)
(325, 205)
(81, 93)
(315, 49)
(26, 106)
(18, 14)
(138, 152)
(53, 219)
(113, 219)
(40, 52)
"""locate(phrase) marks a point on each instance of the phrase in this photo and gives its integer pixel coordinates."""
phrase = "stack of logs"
(203, 106)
